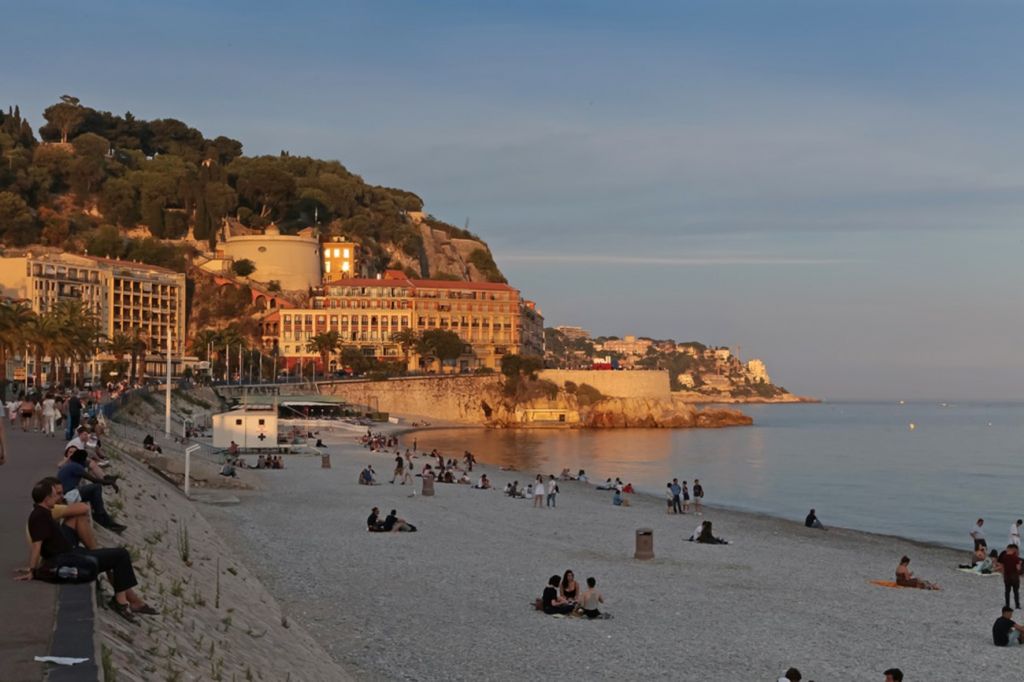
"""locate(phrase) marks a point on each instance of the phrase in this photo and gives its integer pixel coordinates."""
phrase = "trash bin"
(428, 486)
(325, 461)
(644, 544)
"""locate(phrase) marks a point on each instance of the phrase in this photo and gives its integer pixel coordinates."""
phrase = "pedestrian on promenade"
(698, 496)
(677, 491)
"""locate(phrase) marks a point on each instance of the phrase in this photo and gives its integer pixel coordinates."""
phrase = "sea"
(923, 471)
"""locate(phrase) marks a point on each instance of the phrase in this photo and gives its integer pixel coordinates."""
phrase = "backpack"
(68, 569)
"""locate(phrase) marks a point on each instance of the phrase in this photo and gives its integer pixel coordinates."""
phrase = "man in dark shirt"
(1010, 561)
(373, 521)
(1004, 631)
(74, 416)
(71, 474)
(393, 524)
(49, 544)
(812, 520)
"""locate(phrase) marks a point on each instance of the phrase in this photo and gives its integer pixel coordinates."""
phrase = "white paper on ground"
(60, 660)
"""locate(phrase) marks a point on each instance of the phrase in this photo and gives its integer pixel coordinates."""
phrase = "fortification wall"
(615, 384)
(444, 398)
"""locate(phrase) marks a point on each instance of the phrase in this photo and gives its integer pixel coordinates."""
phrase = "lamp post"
(167, 390)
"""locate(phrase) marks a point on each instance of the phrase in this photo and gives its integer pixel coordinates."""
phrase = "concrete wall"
(615, 383)
(455, 398)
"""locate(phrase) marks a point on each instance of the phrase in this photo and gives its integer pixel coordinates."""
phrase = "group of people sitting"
(368, 476)
(562, 596)
(378, 441)
(63, 546)
(704, 535)
(390, 524)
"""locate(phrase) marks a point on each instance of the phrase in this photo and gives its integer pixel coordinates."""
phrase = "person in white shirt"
(697, 531)
(49, 415)
(1015, 532)
(552, 491)
(538, 492)
(978, 535)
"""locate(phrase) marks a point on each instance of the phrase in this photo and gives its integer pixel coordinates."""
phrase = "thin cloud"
(679, 261)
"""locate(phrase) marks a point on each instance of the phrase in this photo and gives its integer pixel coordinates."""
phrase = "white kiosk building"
(252, 427)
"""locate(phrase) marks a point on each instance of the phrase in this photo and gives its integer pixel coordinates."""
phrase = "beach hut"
(251, 426)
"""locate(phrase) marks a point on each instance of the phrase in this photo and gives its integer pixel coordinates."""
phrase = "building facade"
(339, 259)
(124, 296)
(368, 313)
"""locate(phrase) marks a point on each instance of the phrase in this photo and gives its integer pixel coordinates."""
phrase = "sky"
(834, 187)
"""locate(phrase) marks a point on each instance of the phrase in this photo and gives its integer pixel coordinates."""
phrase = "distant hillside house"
(573, 333)
(757, 371)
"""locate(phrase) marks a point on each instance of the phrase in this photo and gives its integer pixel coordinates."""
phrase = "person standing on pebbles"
(698, 496)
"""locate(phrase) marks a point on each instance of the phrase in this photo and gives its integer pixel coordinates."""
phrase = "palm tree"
(406, 340)
(324, 344)
(14, 320)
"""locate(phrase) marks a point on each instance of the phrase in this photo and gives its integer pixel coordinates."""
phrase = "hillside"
(125, 187)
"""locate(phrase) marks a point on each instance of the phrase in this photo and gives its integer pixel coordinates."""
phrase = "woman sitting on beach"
(618, 500)
(551, 602)
(707, 537)
(568, 588)
(905, 578)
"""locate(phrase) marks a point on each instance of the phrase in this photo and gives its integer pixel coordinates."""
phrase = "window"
(337, 253)
(345, 266)
(238, 422)
(262, 422)
(345, 253)
(327, 266)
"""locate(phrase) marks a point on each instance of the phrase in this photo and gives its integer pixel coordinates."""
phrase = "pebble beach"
(454, 600)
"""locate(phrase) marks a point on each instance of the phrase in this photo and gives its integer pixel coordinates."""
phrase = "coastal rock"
(658, 414)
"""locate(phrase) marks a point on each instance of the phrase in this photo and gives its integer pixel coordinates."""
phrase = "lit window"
(337, 253)
(327, 266)
(345, 253)
(345, 266)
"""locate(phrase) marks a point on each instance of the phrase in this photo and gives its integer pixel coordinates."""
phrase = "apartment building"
(124, 296)
(367, 313)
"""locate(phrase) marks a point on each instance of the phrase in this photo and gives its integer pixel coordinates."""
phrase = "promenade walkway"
(26, 608)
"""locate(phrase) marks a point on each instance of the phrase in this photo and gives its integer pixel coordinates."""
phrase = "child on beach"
(698, 496)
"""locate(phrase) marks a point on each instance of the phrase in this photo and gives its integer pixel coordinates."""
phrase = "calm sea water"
(859, 464)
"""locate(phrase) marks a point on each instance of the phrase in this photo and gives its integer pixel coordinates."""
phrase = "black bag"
(68, 569)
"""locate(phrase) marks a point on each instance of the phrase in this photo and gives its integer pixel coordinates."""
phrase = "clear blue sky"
(834, 186)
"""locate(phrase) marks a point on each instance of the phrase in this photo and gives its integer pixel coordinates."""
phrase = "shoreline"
(479, 554)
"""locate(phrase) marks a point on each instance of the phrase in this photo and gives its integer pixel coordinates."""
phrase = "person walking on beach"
(1009, 559)
(399, 469)
(698, 496)
(978, 534)
(1015, 532)
(552, 491)
(538, 492)
(677, 491)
